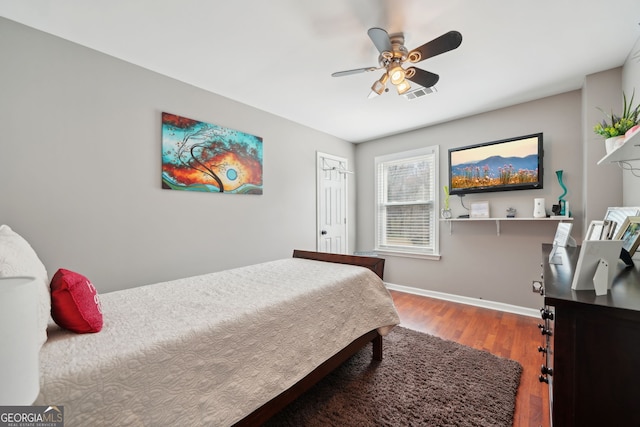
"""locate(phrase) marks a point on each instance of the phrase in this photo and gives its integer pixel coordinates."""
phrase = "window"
(407, 203)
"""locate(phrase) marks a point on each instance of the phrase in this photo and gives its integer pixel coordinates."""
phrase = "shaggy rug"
(422, 381)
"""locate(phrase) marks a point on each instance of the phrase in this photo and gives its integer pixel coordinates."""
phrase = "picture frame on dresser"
(561, 240)
(618, 214)
(563, 237)
(596, 265)
(601, 230)
(629, 233)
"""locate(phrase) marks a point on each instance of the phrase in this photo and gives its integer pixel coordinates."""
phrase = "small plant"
(446, 197)
(619, 125)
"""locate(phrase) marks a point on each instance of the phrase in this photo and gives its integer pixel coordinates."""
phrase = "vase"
(445, 213)
(610, 144)
(632, 132)
(561, 201)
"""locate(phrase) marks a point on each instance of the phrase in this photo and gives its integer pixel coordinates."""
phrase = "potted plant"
(614, 127)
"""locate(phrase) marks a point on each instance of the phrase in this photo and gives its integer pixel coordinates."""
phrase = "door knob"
(323, 232)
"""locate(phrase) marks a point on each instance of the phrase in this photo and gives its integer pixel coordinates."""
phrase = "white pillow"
(17, 258)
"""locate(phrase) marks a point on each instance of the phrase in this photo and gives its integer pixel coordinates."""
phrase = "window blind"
(406, 201)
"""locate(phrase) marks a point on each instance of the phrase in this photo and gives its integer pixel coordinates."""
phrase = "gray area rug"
(422, 381)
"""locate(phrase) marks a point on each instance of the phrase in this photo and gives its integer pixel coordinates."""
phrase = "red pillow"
(74, 302)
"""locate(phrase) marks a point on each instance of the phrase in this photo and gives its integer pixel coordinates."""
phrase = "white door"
(332, 204)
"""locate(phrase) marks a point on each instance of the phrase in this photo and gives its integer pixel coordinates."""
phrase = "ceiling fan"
(393, 54)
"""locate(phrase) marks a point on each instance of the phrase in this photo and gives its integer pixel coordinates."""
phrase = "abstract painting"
(199, 156)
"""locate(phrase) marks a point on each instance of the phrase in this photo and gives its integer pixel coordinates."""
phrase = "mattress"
(210, 349)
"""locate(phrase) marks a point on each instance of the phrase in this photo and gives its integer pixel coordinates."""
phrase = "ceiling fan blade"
(356, 71)
(380, 39)
(422, 77)
(442, 44)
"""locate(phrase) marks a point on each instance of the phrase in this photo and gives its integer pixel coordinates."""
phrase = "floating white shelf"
(498, 220)
(630, 150)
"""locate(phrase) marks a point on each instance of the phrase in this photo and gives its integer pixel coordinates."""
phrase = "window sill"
(433, 257)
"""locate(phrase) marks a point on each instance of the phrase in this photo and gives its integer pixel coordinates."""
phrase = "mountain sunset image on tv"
(508, 164)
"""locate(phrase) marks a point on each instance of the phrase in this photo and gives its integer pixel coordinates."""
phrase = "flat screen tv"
(508, 164)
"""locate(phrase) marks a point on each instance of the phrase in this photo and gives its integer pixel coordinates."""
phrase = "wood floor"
(503, 334)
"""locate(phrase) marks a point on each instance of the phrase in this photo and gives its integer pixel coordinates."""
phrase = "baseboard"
(493, 305)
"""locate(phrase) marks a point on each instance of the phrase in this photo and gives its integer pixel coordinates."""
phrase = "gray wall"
(476, 262)
(80, 169)
(80, 177)
(602, 186)
(631, 83)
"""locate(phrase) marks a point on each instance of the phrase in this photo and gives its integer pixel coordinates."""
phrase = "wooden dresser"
(591, 347)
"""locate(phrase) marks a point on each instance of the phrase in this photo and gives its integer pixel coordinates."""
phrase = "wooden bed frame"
(275, 405)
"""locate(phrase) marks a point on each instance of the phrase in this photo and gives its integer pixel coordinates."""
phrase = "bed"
(227, 348)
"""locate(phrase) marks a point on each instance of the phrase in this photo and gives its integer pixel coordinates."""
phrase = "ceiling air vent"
(420, 92)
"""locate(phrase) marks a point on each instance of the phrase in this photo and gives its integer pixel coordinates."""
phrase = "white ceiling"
(278, 55)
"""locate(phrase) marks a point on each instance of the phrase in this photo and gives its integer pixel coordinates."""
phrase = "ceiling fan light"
(377, 88)
(396, 74)
(403, 87)
(379, 85)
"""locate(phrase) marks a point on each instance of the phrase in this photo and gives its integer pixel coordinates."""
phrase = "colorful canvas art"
(199, 156)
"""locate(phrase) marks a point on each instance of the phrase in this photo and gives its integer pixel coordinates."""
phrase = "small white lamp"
(19, 348)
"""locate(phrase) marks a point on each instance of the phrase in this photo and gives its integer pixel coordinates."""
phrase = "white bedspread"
(208, 350)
